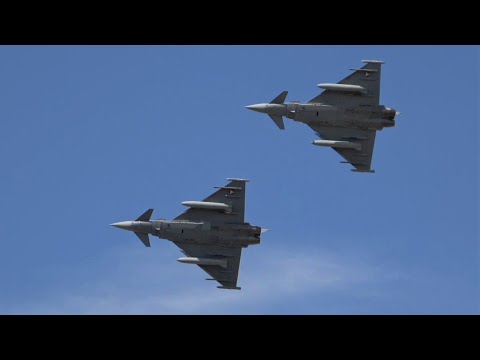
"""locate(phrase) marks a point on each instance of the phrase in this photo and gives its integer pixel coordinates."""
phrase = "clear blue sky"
(97, 134)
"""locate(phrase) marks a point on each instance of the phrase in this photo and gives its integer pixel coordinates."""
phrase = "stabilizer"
(280, 99)
(144, 238)
(278, 120)
(145, 216)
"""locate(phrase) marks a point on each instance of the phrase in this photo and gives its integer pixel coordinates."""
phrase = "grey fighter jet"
(346, 115)
(211, 233)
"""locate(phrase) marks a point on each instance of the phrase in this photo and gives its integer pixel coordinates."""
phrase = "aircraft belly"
(217, 241)
(324, 116)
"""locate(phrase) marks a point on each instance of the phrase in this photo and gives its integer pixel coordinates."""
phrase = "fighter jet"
(346, 115)
(211, 233)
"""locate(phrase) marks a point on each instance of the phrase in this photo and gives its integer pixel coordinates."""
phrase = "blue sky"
(98, 134)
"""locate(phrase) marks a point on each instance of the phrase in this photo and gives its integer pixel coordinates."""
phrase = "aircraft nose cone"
(125, 225)
(257, 107)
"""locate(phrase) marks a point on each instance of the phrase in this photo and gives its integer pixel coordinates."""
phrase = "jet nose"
(258, 107)
(125, 225)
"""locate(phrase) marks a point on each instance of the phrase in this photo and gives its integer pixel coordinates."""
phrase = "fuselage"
(361, 117)
(223, 234)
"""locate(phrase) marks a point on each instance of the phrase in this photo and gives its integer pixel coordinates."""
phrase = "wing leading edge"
(361, 159)
(232, 194)
(367, 77)
(226, 276)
